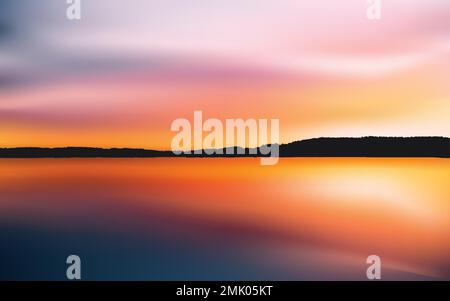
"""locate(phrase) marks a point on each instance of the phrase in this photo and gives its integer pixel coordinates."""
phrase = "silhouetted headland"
(319, 147)
(369, 147)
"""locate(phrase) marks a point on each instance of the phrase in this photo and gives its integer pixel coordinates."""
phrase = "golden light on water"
(306, 211)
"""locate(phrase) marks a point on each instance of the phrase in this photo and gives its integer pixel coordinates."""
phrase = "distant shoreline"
(433, 147)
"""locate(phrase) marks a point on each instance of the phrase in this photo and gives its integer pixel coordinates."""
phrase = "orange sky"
(117, 80)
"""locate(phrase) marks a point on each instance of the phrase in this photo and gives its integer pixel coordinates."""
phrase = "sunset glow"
(116, 79)
(218, 140)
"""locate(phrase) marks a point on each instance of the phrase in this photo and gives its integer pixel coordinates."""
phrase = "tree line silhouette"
(317, 147)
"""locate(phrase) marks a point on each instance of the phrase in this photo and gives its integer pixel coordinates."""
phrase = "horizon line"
(224, 147)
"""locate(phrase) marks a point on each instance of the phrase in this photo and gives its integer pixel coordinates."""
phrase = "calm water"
(227, 219)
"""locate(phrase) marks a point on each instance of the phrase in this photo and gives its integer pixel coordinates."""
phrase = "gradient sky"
(127, 69)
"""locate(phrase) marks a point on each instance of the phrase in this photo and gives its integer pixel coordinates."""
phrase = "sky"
(119, 76)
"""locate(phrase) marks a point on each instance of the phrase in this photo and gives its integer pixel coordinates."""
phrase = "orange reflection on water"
(328, 212)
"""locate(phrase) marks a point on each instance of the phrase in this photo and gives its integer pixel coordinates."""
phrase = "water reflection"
(175, 218)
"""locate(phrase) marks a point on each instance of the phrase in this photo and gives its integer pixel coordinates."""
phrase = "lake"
(225, 218)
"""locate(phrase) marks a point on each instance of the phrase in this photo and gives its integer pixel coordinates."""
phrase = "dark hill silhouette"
(80, 152)
(369, 147)
(318, 147)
